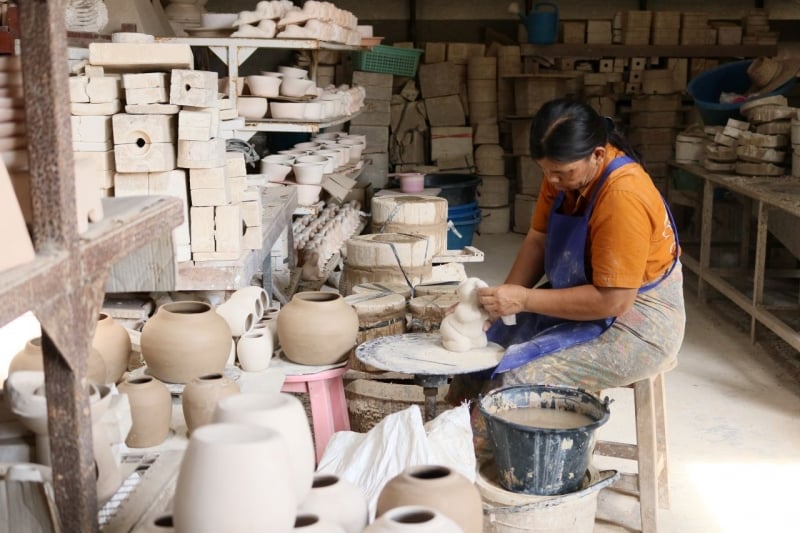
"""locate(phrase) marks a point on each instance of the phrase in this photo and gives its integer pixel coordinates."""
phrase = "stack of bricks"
(695, 29)
(482, 95)
(757, 30)
(654, 123)
(598, 32)
(635, 27)
(720, 150)
(374, 122)
(509, 63)
(13, 139)
(666, 27)
(529, 180)
(795, 139)
(762, 149)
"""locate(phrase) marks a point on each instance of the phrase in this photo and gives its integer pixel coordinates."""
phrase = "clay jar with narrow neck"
(337, 500)
(200, 398)
(414, 519)
(114, 344)
(32, 358)
(317, 328)
(439, 488)
(184, 340)
(310, 523)
(151, 411)
(234, 477)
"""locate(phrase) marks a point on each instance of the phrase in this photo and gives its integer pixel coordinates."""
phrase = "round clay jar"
(32, 358)
(114, 344)
(200, 398)
(151, 411)
(184, 340)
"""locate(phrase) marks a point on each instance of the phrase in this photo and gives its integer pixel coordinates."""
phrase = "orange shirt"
(630, 239)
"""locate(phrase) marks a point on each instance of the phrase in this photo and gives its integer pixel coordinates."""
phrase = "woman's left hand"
(503, 299)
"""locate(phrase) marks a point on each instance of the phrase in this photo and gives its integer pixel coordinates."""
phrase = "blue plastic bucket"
(707, 87)
(542, 26)
(464, 223)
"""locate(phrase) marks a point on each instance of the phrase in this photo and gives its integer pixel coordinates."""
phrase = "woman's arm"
(528, 267)
(585, 302)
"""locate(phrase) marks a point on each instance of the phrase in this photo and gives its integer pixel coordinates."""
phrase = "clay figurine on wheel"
(463, 329)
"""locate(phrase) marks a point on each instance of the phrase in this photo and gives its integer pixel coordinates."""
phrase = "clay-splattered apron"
(591, 354)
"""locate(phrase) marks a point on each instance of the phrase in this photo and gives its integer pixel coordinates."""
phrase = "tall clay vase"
(414, 519)
(310, 523)
(254, 350)
(114, 344)
(200, 398)
(439, 488)
(184, 340)
(233, 477)
(337, 500)
(270, 323)
(317, 328)
(32, 358)
(285, 414)
(151, 411)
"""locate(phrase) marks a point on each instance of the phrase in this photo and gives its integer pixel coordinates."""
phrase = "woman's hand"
(503, 300)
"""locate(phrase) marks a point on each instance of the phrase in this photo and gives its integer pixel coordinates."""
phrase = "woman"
(612, 311)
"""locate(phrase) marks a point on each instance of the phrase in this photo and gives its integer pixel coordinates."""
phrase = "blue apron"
(535, 335)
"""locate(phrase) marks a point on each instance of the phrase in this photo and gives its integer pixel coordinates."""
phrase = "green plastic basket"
(388, 60)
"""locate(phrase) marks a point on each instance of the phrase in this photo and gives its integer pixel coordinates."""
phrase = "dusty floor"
(733, 425)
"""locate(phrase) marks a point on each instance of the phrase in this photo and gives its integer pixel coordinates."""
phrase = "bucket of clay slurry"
(510, 512)
(543, 436)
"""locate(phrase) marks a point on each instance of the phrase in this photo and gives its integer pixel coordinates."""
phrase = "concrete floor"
(733, 425)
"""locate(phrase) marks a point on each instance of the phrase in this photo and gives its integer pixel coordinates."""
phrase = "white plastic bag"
(400, 440)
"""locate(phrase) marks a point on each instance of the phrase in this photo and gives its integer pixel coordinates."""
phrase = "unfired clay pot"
(114, 344)
(414, 519)
(311, 523)
(254, 350)
(439, 488)
(240, 315)
(337, 500)
(160, 524)
(317, 328)
(184, 340)
(200, 398)
(233, 477)
(283, 413)
(151, 411)
(31, 358)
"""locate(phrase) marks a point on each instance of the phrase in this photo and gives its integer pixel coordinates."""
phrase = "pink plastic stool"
(328, 404)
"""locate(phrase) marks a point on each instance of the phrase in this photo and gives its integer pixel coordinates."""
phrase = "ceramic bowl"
(313, 111)
(288, 110)
(294, 153)
(267, 86)
(218, 20)
(344, 148)
(412, 182)
(275, 171)
(295, 87)
(335, 154)
(272, 74)
(309, 173)
(292, 72)
(308, 194)
(356, 148)
(329, 161)
(351, 136)
(333, 136)
(307, 146)
(279, 159)
(252, 107)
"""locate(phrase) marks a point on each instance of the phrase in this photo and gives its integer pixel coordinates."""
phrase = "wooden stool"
(651, 484)
(328, 405)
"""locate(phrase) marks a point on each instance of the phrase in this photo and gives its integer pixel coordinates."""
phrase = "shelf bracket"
(221, 52)
(244, 53)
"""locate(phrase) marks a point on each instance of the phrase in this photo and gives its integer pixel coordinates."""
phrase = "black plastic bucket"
(457, 189)
(541, 461)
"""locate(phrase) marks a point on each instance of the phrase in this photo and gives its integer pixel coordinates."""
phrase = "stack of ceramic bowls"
(276, 167)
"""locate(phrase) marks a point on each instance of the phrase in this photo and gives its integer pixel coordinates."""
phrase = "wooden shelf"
(597, 51)
(289, 126)
(286, 44)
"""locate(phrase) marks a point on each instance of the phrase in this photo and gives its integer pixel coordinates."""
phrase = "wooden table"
(763, 196)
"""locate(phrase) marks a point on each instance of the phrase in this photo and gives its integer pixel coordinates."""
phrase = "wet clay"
(462, 330)
(545, 418)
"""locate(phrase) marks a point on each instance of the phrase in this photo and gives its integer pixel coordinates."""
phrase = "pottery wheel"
(423, 355)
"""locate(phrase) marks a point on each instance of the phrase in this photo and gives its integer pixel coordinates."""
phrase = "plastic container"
(463, 230)
(542, 25)
(541, 461)
(457, 189)
(388, 60)
(412, 182)
(707, 87)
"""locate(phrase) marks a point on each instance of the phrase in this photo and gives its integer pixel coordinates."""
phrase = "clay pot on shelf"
(317, 328)
(414, 519)
(32, 358)
(270, 323)
(252, 107)
(233, 477)
(337, 500)
(240, 316)
(288, 110)
(200, 398)
(310, 523)
(253, 296)
(284, 414)
(266, 86)
(293, 72)
(439, 488)
(254, 350)
(308, 194)
(151, 411)
(114, 344)
(184, 340)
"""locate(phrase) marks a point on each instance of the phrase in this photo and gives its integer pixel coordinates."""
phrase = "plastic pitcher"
(542, 23)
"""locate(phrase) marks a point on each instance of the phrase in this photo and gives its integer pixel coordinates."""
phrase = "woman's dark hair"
(567, 130)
